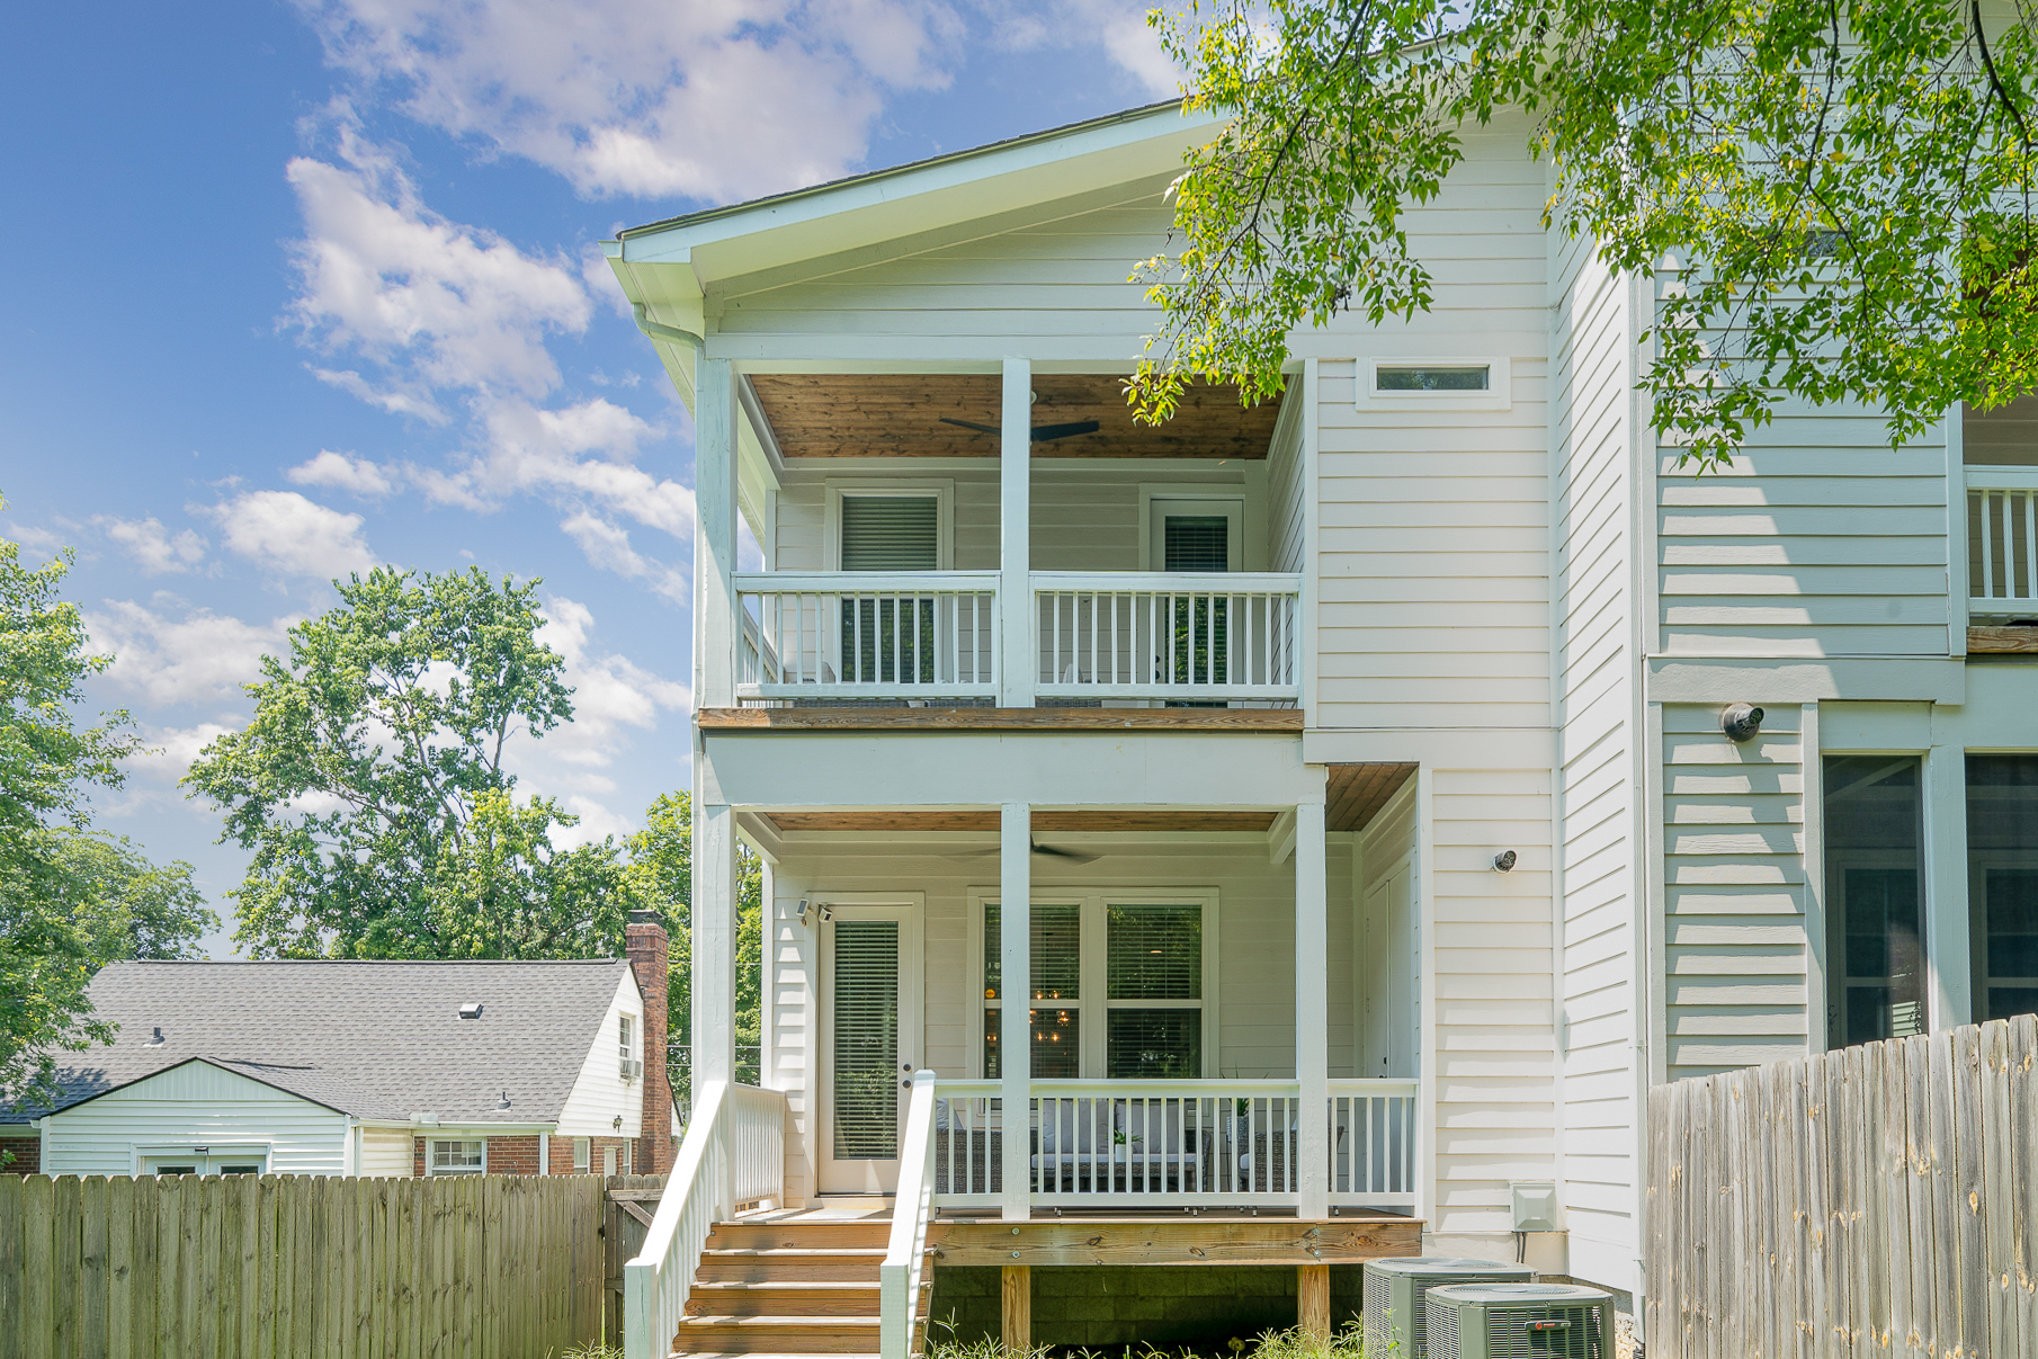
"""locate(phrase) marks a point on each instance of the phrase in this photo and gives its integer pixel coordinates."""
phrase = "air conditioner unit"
(632, 1069)
(1392, 1307)
(1519, 1321)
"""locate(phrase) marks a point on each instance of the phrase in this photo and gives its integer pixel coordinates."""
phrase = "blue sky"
(287, 290)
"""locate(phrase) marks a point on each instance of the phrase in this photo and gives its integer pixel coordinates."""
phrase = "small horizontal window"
(457, 1156)
(1433, 377)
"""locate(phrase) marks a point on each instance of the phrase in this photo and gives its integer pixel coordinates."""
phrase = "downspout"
(658, 330)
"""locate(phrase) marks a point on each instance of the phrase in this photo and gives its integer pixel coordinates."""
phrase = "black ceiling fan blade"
(1073, 856)
(1049, 433)
(970, 424)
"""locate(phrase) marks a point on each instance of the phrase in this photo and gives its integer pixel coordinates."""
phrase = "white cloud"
(383, 276)
(344, 472)
(608, 546)
(708, 98)
(167, 752)
(397, 399)
(154, 548)
(172, 653)
(288, 533)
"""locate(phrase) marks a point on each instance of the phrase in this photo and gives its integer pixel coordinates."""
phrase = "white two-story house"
(1342, 783)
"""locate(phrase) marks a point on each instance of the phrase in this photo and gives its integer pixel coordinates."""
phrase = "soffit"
(1355, 793)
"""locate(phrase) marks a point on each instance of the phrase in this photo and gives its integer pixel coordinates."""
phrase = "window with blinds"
(1146, 977)
(1196, 542)
(889, 638)
(865, 1009)
(1202, 623)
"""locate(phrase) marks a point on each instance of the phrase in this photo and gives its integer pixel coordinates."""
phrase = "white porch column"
(715, 537)
(1015, 548)
(1015, 992)
(1312, 1012)
(1949, 965)
(714, 944)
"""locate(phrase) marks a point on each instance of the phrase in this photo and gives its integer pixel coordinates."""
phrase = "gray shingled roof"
(378, 1040)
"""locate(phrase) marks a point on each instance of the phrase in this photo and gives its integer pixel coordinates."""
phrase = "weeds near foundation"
(1291, 1344)
(591, 1351)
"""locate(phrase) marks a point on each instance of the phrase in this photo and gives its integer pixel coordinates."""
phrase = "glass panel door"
(870, 971)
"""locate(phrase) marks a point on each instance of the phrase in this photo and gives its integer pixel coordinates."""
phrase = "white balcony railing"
(847, 636)
(2002, 523)
(1193, 1143)
(1169, 636)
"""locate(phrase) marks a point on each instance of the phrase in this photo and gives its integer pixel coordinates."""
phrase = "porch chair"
(1157, 1154)
(1074, 1143)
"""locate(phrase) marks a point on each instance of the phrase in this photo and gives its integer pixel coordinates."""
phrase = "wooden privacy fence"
(460, 1265)
(1877, 1200)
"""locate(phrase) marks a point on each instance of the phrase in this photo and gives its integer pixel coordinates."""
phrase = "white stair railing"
(733, 1152)
(2002, 509)
(912, 1207)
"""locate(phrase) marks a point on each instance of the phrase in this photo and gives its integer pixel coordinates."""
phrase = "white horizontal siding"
(195, 1104)
(1255, 975)
(1735, 945)
(386, 1153)
(599, 1095)
(1495, 1046)
(1818, 540)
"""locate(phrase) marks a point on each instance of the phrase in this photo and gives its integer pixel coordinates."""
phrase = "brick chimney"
(648, 946)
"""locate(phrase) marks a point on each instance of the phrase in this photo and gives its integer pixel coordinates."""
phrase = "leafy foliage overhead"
(1834, 197)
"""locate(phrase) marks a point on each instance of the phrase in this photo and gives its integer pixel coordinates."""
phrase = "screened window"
(1875, 889)
(2002, 875)
(890, 637)
(456, 1156)
(1432, 377)
(1118, 989)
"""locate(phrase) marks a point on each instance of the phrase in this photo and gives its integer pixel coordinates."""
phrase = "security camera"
(1504, 861)
(1742, 722)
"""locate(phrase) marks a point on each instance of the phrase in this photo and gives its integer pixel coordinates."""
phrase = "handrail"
(912, 1206)
(861, 582)
(1182, 582)
(658, 1281)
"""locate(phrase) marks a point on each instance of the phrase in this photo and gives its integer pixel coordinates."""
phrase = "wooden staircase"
(789, 1286)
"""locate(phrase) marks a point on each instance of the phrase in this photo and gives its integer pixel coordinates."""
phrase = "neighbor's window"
(1875, 893)
(626, 1043)
(1432, 377)
(583, 1155)
(2002, 883)
(456, 1156)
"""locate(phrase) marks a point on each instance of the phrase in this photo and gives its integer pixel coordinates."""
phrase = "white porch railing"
(733, 1152)
(1183, 1144)
(1169, 635)
(867, 635)
(2002, 519)
(912, 1206)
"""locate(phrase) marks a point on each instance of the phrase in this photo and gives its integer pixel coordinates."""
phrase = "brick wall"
(26, 1154)
(562, 1154)
(649, 948)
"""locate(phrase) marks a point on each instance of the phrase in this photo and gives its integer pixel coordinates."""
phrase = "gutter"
(658, 330)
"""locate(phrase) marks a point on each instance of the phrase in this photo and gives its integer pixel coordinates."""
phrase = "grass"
(1290, 1344)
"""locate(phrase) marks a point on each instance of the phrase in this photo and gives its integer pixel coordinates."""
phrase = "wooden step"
(777, 1335)
(785, 1298)
(771, 1264)
(801, 1234)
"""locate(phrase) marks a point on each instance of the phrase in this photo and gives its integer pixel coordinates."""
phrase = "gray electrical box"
(1535, 1205)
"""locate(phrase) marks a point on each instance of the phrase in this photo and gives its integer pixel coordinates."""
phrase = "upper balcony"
(907, 561)
(2000, 451)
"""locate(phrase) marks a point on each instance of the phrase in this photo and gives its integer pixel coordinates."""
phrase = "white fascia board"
(870, 209)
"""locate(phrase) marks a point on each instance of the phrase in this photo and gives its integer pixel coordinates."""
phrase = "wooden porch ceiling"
(880, 415)
(1188, 819)
(1357, 792)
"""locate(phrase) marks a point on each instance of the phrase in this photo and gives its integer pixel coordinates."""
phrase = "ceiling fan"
(1042, 434)
(1050, 851)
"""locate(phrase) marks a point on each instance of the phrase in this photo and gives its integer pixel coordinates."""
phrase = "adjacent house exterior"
(364, 1068)
(1346, 784)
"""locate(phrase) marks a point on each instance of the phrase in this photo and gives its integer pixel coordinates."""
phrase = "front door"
(870, 1032)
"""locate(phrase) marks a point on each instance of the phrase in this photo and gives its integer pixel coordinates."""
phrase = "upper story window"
(456, 1156)
(626, 1046)
(890, 532)
(1459, 384)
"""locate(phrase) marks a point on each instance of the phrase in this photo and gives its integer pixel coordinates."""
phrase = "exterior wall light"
(1742, 723)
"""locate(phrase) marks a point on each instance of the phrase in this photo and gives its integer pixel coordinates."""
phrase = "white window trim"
(432, 1143)
(1498, 396)
(628, 1033)
(943, 493)
(1094, 1000)
(142, 1152)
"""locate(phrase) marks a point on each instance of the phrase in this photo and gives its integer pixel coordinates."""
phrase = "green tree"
(1835, 197)
(661, 879)
(70, 901)
(371, 788)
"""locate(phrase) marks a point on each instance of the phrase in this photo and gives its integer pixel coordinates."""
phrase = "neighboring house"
(1343, 780)
(365, 1068)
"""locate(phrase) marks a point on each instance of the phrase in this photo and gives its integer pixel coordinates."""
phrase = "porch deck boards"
(904, 718)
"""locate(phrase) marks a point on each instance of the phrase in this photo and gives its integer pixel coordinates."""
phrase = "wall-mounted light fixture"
(1742, 722)
(504, 1102)
(617, 1123)
(1504, 861)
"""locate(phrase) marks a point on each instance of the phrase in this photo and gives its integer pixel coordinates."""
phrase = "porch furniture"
(1158, 1151)
(1074, 1142)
